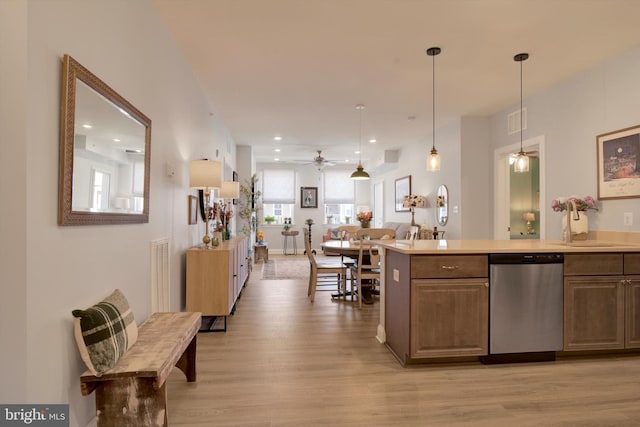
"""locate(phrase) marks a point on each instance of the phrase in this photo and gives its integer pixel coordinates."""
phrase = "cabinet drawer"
(592, 264)
(632, 263)
(448, 266)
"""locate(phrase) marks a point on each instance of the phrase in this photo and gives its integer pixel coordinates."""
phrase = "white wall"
(476, 179)
(13, 193)
(570, 115)
(413, 161)
(51, 270)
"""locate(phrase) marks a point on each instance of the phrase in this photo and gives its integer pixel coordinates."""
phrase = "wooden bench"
(133, 393)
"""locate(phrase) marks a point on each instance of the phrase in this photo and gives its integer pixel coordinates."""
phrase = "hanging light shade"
(360, 173)
(433, 162)
(521, 163)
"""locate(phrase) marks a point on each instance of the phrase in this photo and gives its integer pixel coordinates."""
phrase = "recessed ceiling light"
(277, 138)
(87, 126)
(116, 140)
(372, 141)
(276, 159)
(356, 152)
(277, 150)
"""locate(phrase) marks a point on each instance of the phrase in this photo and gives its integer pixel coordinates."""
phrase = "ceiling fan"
(319, 162)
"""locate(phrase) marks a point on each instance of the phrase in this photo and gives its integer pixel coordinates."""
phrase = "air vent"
(513, 121)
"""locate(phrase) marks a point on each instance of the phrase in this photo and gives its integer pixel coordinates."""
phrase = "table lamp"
(529, 216)
(230, 190)
(412, 202)
(205, 175)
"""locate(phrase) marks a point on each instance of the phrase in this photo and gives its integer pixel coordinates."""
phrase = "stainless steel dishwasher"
(525, 303)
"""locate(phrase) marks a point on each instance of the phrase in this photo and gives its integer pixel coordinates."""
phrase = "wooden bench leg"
(187, 362)
(131, 402)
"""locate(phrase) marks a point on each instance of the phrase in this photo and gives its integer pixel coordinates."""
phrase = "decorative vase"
(364, 224)
(579, 227)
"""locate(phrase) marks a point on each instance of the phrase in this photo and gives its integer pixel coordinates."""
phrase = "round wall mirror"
(442, 205)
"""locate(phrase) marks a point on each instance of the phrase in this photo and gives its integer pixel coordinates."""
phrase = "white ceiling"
(297, 68)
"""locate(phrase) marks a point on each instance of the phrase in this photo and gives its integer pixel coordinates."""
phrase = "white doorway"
(502, 205)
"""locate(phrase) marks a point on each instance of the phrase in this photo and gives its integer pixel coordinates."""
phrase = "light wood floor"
(287, 362)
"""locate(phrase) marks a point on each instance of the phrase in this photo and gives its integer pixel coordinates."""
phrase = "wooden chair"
(368, 266)
(347, 231)
(412, 233)
(323, 267)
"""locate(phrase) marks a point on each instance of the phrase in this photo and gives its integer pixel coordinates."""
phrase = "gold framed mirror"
(104, 153)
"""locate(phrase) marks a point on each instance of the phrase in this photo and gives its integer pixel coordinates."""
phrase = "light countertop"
(417, 247)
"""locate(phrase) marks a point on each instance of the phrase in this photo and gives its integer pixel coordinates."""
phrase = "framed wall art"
(235, 179)
(619, 164)
(308, 197)
(403, 188)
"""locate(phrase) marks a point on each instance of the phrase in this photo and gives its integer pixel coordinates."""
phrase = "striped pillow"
(105, 332)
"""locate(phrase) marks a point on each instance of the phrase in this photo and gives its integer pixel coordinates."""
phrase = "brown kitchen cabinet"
(449, 317)
(436, 306)
(601, 301)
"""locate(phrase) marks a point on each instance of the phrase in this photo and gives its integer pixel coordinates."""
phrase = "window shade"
(278, 186)
(339, 187)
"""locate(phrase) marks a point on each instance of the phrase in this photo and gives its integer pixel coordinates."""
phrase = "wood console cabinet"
(601, 301)
(216, 276)
(436, 306)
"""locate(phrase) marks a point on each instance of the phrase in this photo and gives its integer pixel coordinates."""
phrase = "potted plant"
(269, 219)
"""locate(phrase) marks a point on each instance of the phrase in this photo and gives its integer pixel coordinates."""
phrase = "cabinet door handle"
(449, 267)
(486, 284)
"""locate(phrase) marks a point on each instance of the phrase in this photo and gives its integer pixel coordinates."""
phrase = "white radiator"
(160, 289)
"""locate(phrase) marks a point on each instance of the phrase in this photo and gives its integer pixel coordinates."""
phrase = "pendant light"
(433, 162)
(521, 163)
(360, 173)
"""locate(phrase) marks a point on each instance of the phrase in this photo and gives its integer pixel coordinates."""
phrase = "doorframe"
(502, 200)
(378, 203)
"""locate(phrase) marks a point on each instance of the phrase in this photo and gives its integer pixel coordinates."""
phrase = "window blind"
(278, 186)
(339, 187)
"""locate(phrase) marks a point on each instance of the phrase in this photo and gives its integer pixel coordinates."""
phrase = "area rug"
(278, 268)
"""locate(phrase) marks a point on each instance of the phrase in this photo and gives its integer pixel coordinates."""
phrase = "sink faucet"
(571, 206)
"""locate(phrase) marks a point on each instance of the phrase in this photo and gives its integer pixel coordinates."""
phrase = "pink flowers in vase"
(560, 204)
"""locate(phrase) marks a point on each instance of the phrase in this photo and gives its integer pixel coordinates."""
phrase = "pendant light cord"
(519, 58)
(360, 137)
(433, 92)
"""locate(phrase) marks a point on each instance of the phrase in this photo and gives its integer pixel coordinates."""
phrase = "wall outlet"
(396, 275)
(628, 218)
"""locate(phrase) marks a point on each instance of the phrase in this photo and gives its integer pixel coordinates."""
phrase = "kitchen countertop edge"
(443, 247)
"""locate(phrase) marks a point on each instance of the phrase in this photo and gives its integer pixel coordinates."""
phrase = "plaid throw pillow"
(104, 332)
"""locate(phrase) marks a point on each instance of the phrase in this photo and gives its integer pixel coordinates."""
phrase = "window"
(339, 197)
(278, 194)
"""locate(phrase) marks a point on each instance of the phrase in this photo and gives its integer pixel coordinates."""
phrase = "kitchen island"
(435, 298)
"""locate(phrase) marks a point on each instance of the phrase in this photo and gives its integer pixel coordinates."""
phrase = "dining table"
(345, 248)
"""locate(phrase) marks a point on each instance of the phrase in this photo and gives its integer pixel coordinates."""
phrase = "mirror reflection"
(104, 153)
(442, 205)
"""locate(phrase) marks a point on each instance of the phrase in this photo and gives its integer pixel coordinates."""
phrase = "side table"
(261, 251)
(292, 234)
